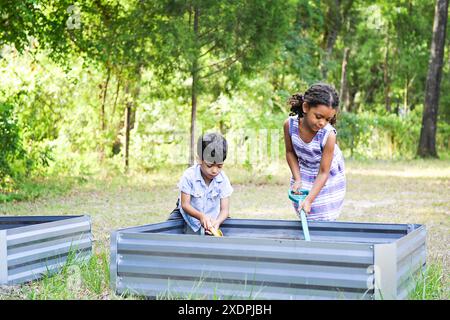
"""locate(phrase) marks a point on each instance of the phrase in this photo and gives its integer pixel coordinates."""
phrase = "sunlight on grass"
(406, 173)
(377, 191)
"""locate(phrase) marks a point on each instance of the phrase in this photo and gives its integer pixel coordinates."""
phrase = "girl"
(315, 160)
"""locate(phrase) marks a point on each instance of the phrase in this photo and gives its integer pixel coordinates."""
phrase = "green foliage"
(390, 46)
(210, 46)
(376, 136)
(63, 91)
(26, 189)
(67, 88)
(19, 20)
(292, 66)
(10, 141)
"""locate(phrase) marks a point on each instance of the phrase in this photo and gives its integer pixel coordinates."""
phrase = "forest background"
(101, 102)
(125, 85)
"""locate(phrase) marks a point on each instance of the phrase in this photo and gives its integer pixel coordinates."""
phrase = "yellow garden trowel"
(298, 198)
(216, 232)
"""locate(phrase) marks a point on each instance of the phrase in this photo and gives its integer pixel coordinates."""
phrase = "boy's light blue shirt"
(204, 198)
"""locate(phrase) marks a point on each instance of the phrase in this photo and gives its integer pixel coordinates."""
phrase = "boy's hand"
(216, 224)
(305, 205)
(296, 187)
(206, 223)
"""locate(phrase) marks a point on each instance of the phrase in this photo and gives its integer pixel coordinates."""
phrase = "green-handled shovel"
(298, 198)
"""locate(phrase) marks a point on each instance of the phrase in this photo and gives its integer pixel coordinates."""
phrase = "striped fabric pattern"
(328, 203)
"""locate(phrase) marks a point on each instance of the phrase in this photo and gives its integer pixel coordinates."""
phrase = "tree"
(119, 37)
(19, 20)
(427, 142)
(336, 15)
(218, 41)
(388, 43)
(295, 64)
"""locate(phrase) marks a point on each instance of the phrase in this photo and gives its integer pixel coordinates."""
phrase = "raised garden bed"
(31, 246)
(268, 259)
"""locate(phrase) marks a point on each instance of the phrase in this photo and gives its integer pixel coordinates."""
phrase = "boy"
(204, 188)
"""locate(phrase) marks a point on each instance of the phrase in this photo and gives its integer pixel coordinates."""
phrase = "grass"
(431, 284)
(201, 290)
(413, 191)
(76, 280)
(28, 190)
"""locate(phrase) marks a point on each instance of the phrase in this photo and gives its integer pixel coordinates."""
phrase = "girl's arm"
(324, 171)
(190, 210)
(291, 157)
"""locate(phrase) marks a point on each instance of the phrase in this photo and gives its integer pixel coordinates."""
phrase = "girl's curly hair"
(319, 93)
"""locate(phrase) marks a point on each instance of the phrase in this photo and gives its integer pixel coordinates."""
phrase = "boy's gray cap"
(210, 148)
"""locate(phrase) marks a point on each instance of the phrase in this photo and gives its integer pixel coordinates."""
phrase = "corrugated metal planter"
(35, 245)
(268, 259)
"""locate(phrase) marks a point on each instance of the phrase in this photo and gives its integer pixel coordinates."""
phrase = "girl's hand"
(305, 205)
(296, 187)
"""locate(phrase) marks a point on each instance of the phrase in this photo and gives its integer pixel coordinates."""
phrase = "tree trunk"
(350, 100)
(105, 91)
(336, 17)
(427, 142)
(222, 127)
(117, 144)
(193, 115)
(333, 27)
(130, 111)
(194, 75)
(387, 84)
(127, 135)
(405, 97)
(127, 127)
(103, 114)
(343, 90)
(115, 99)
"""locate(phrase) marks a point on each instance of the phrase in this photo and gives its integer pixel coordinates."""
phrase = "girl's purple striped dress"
(328, 203)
